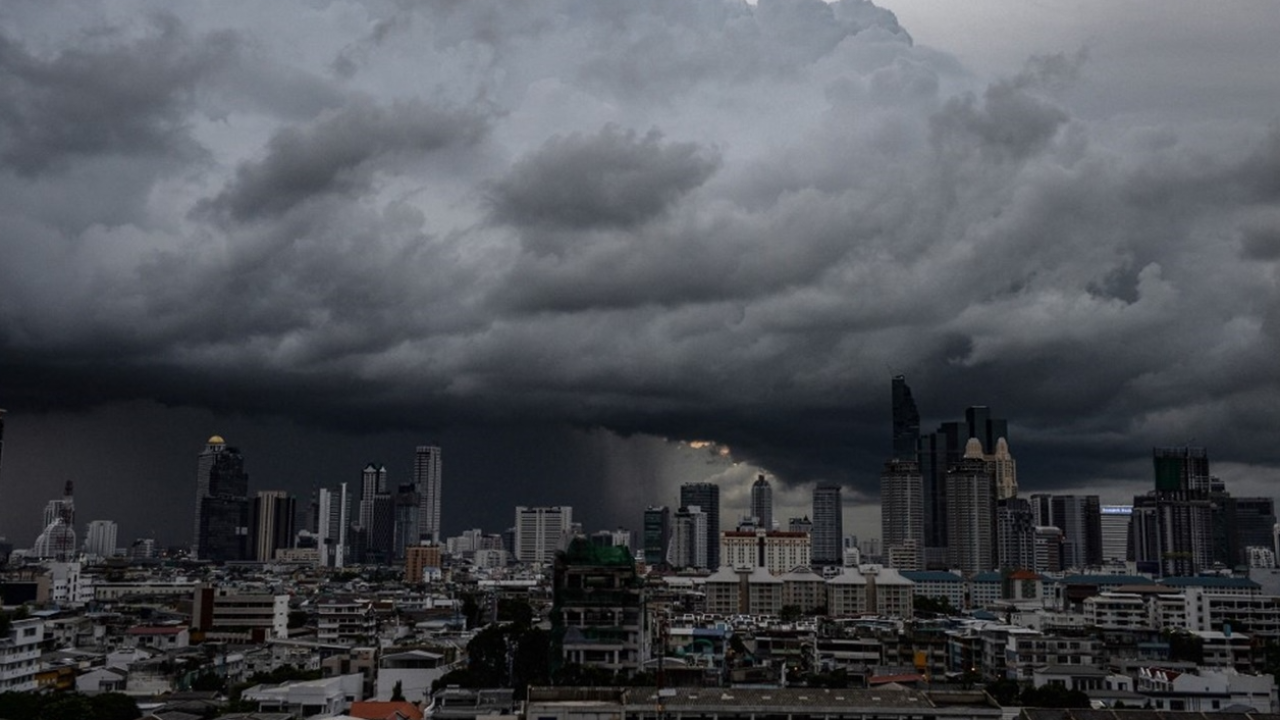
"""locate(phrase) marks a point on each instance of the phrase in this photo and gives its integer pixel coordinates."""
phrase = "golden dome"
(217, 440)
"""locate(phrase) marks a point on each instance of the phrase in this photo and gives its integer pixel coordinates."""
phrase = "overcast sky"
(563, 239)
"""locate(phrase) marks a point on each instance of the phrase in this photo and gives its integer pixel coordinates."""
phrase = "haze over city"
(594, 251)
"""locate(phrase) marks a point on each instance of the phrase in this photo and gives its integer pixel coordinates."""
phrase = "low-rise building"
(20, 654)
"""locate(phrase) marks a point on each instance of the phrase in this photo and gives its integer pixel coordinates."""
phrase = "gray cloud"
(109, 94)
(339, 153)
(612, 179)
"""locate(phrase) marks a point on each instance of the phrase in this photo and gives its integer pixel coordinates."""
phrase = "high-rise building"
(828, 526)
(762, 503)
(971, 514)
(334, 522)
(100, 538)
(657, 534)
(1114, 525)
(58, 540)
(407, 504)
(1183, 511)
(941, 450)
(800, 524)
(902, 513)
(906, 421)
(540, 531)
(1015, 535)
(373, 480)
(688, 547)
(273, 523)
(2, 414)
(706, 496)
(222, 503)
(1252, 525)
(427, 481)
(1079, 517)
(1005, 469)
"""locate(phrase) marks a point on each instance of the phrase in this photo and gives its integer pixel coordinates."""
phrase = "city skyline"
(705, 236)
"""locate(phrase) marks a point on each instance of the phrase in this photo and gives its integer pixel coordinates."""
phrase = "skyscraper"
(689, 535)
(971, 513)
(1184, 513)
(407, 505)
(707, 497)
(906, 421)
(2, 413)
(427, 481)
(657, 534)
(273, 523)
(222, 503)
(762, 503)
(1015, 535)
(333, 523)
(373, 481)
(941, 450)
(902, 513)
(1079, 517)
(828, 526)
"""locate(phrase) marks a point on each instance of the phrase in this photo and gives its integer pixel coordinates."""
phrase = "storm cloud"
(676, 219)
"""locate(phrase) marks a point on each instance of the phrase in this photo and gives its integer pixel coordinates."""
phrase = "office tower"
(706, 496)
(373, 480)
(407, 502)
(100, 538)
(58, 540)
(540, 531)
(2, 414)
(657, 534)
(1080, 520)
(828, 526)
(902, 513)
(762, 503)
(222, 503)
(273, 523)
(334, 522)
(689, 539)
(940, 450)
(381, 534)
(1253, 522)
(971, 513)
(1113, 523)
(906, 421)
(1015, 535)
(427, 481)
(1182, 510)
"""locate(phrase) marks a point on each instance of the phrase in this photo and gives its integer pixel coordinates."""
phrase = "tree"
(1054, 696)
(297, 619)
(113, 706)
(397, 692)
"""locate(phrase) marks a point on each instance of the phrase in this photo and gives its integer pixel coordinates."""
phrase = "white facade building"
(540, 531)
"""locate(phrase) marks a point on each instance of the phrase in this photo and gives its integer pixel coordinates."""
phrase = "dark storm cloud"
(612, 179)
(339, 153)
(685, 219)
(108, 95)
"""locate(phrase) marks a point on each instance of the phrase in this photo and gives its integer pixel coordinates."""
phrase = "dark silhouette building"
(906, 421)
(826, 546)
(222, 503)
(657, 535)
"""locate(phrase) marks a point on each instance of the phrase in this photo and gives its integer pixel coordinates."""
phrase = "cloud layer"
(685, 218)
